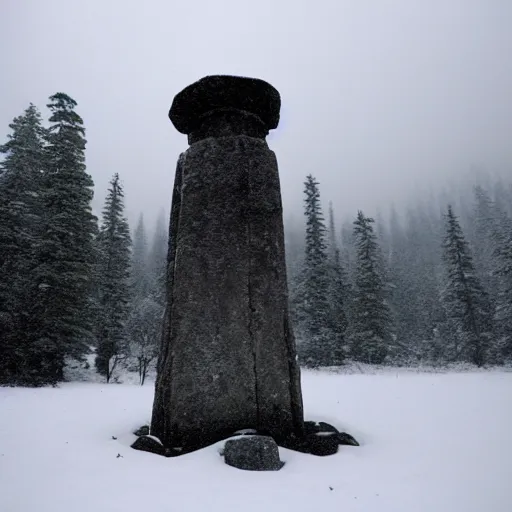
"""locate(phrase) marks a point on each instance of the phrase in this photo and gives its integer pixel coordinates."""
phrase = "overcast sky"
(380, 97)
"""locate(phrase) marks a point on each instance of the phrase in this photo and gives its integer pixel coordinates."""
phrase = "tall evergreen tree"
(502, 239)
(338, 293)
(400, 302)
(466, 303)
(484, 224)
(157, 258)
(114, 246)
(63, 272)
(422, 279)
(314, 308)
(371, 327)
(348, 252)
(140, 279)
(21, 174)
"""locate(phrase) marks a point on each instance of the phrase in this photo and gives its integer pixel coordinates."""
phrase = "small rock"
(149, 444)
(254, 453)
(326, 427)
(298, 444)
(310, 427)
(344, 438)
(322, 445)
(142, 431)
(173, 452)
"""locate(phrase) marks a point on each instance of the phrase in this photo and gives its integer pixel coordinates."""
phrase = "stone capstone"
(225, 93)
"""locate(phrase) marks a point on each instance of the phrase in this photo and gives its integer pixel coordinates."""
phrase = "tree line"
(433, 287)
(70, 284)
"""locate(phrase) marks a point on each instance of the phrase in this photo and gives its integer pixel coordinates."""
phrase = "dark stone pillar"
(228, 358)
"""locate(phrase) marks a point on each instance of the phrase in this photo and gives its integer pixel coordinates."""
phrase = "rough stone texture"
(254, 453)
(148, 444)
(142, 431)
(327, 427)
(228, 358)
(323, 444)
(224, 92)
(318, 439)
(344, 438)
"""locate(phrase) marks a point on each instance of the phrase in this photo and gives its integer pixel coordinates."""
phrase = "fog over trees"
(428, 284)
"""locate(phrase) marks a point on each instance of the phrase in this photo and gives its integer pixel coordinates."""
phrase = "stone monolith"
(228, 358)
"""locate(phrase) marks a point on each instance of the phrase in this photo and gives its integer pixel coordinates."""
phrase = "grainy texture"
(148, 444)
(228, 358)
(225, 92)
(253, 453)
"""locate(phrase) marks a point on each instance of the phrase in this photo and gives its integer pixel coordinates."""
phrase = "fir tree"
(371, 326)
(21, 173)
(63, 272)
(114, 245)
(140, 280)
(314, 308)
(401, 304)
(485, 226)
(420, 275)
(348, 252)
(157, 259)
(502, 241)
(338, 293)
(466, 303)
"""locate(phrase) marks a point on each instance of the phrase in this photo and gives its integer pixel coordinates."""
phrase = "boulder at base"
(253, 453)
(142, 431)
(149, 444)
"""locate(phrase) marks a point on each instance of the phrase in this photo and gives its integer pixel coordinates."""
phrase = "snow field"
(429, 442)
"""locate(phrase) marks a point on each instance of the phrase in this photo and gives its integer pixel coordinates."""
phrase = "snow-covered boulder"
(149, 444)
(255, 453)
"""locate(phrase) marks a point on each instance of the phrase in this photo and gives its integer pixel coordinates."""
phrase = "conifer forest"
(429, 284)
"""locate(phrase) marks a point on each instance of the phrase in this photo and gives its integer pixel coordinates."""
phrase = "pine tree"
(348, 252)
(140, 279)
(63, 273)
(338, 293)
(20, 225)
(401, 304)
(485, 226)
(314, 308)
(114, 245)
(157, 259)
(502, 241)
(465, 301)
(371, 327)
(421, 277)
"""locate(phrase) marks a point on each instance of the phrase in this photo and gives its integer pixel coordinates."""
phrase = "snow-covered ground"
(429, 442)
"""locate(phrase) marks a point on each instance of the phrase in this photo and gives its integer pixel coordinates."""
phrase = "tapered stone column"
(228, 358)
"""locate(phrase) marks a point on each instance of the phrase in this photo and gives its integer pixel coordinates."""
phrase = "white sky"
(380, 97)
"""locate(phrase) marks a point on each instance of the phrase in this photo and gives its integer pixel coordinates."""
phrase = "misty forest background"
(429, 285)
